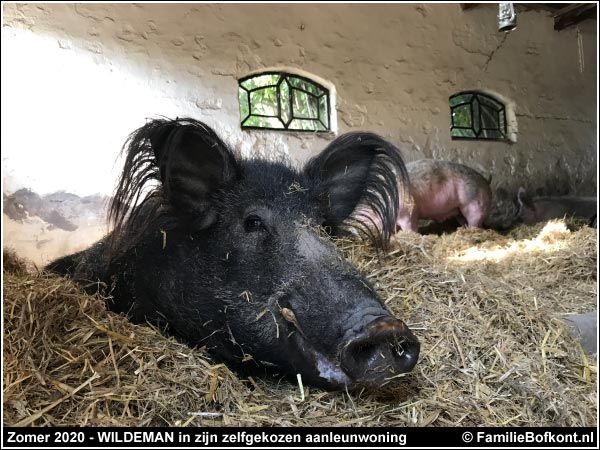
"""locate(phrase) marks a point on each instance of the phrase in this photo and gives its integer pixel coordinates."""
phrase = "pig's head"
(504, 211)
(240, 261)
(526, 212)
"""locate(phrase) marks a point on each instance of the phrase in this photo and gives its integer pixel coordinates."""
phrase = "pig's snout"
(384, 348)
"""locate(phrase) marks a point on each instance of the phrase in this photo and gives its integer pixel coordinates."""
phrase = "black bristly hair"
(161, 157)
(241, 246)
(173, 167)
(361, 169)
(139, 173)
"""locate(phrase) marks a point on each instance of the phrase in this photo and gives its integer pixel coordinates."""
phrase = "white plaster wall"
(78, 78)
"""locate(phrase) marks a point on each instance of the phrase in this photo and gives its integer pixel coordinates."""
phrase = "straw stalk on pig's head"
(229, 254)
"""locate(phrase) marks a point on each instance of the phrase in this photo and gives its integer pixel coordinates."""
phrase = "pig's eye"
(253, 223)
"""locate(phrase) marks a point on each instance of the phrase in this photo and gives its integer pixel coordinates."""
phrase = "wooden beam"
(573, 8)
(573, 14)
(465, 6)
(538, 6)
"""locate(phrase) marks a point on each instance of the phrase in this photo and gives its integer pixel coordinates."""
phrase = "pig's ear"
(193, 164)
(360, 169)
(523, 199)
(187, 158)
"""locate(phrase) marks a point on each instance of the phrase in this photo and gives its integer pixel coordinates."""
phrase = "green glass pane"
(476, 124)
(264, 101)
(461, 116)
(305, 85)
(458, 99)
(262, 122)
(324, 111)
(284, 95)
(306, 125)
(457, 132)
(305, 106)
(260, 81)
(489, 118)
(491, 134)
(243, 97)
(489, 102)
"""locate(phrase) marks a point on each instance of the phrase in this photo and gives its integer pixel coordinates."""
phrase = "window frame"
(283, 75)
(502, 128)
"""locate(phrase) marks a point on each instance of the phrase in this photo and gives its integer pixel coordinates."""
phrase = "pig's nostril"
(385, 347)
(362, 352)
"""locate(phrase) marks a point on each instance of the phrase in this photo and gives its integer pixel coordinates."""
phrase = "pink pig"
(440, 190)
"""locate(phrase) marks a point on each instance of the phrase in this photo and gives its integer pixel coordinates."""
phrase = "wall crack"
(491, 55)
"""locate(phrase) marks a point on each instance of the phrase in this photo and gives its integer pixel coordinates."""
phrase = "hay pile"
(485, 307)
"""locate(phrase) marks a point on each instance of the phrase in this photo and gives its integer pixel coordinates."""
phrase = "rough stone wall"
(80, 77)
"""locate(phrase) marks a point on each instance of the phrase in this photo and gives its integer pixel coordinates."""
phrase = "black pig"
(540, 209)
(228, 254)
(503, 212)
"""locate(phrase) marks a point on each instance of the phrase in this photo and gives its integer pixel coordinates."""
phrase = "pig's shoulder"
(426, 171)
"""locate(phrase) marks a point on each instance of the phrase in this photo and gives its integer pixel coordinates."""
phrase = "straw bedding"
(485, 306)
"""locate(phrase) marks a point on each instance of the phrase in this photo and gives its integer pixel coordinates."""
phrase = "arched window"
(475, 115)
(283, 101)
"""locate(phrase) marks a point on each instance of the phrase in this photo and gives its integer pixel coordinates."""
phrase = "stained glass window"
(283, 101)
(475, 115)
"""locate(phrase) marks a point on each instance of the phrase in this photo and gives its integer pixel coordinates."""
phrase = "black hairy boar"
(228, 254)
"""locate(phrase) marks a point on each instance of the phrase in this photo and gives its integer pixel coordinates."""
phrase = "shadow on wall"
(42, 228)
